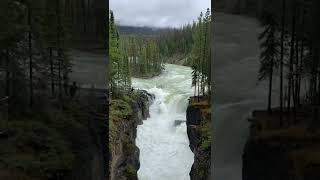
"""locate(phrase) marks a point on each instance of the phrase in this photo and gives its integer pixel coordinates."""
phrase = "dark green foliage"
(201, 54)
(130, 172)
(206, 139)
(299, 52)
(119, 66)
(38, 144)
(36, 137)
(144, 55)
(36, 149)
(29, 31)
(176, 41)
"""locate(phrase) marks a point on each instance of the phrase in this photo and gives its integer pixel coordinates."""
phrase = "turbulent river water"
(164, 147)
(236, 91)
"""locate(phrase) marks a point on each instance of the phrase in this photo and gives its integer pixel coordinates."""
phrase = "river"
(236, 91)
(164, 150)
(164, 147)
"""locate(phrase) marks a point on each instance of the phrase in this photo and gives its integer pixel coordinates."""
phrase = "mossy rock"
(131, 172)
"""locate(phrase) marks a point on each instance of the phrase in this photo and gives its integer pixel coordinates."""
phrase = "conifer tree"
(282, 57)
(269, 46)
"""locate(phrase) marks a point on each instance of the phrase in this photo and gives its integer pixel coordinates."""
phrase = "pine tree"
(269, 53)
(282, 58)
(292, 50)
(30, 53)
(201, 53)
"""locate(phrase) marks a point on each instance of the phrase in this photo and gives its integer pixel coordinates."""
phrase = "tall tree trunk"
(270, 86)
(30, 56)
(318, 84)
(281, 60)
(198, 79)
(59, 48)
(296, 83)
(293, 33)
(195, 85)
(314, 77)
(88, 16)
(7, 73)
(72, 11)
(296, 74)
(51, 71)
(204, 56)
(84, 15)
(301, 55)
(118, 70)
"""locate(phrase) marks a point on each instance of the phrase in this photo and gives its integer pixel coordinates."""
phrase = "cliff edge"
(199, 134)
(125, 115)
(289, 151)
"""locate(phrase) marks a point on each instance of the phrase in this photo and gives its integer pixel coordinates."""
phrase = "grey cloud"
(157, 13)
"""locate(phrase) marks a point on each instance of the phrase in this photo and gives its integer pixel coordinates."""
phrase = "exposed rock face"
(193, 121)
(141, 107)
(198, 125)
(125, 153)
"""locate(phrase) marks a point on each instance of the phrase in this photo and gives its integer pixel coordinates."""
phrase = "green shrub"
(35, 148)
(205, 131)
(130, 172)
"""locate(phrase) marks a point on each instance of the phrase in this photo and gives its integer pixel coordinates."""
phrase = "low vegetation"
(38, 145)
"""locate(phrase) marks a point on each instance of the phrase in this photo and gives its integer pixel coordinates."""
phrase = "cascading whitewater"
(164, 145)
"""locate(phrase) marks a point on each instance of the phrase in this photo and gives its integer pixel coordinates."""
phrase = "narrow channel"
(162, 138)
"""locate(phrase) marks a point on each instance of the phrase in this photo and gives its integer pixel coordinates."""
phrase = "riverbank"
(126, 113)
(148, 75)
(290, 151)
(179, 59)
(199, 134)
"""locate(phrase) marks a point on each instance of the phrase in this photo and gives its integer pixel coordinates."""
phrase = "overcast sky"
(157, 13)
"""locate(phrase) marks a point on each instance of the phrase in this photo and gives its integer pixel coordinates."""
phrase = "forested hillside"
(143, 53)
(143, 31)
(44, 109)
(144, 56)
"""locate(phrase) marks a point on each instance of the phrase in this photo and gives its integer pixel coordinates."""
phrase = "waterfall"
(164, 146)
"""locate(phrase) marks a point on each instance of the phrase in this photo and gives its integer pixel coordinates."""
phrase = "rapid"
(164, 145)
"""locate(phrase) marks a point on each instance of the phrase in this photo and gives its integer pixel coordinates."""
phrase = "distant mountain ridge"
(140, 30)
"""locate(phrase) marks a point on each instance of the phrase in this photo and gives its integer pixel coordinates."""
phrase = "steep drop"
(162, 140)
(237, 91)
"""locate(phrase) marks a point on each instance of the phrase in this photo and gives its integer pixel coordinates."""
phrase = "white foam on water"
(164, 147)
